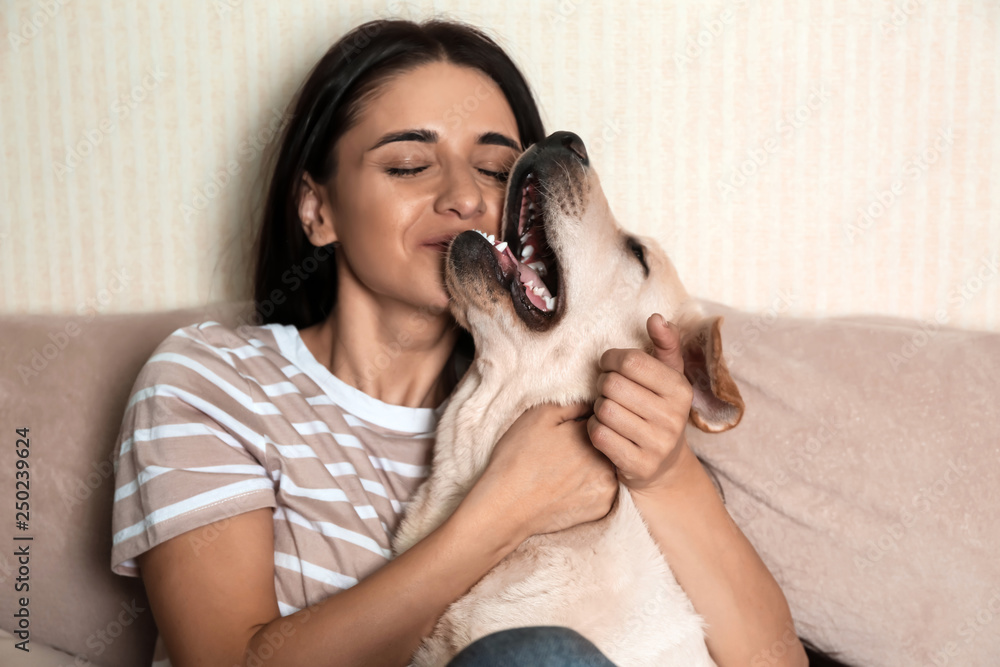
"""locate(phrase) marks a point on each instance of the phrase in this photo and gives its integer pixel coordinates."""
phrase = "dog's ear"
(717, 405)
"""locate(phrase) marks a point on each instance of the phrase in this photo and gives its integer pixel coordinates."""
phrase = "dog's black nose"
(571, 141)
(575, 144)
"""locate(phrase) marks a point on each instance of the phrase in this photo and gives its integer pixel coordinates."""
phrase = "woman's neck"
(390, 350)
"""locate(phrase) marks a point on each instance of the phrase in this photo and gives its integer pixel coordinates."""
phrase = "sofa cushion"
(865, 473)
(67, 379)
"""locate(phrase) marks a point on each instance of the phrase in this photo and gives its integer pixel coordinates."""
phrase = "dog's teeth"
(527, 251)
(502, 246)
(491, 238)
(539, 267)
(549, 302)
(537, 291)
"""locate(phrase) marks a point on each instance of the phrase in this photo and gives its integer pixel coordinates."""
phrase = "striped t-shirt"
(223, 421)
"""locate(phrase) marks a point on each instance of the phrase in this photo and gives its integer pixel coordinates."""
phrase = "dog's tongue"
(508, 264)
(535, 287)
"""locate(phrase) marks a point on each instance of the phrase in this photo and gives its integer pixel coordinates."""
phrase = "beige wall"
(115, 116)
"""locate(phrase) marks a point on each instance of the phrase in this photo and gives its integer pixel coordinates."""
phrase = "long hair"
(295, 282)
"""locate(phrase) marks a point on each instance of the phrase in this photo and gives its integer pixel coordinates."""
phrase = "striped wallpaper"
(812, 157)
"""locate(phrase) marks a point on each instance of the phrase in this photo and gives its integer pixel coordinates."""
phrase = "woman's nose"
(462, 193)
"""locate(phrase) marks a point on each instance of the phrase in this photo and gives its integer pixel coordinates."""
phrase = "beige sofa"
(67, 380)
(864, 472)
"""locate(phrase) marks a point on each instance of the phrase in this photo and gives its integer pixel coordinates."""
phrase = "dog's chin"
(478, 276)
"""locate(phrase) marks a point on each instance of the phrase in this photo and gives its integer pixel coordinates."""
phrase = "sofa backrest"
(66, 380)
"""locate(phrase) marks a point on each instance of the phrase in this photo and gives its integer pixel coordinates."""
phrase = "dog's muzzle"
(522, 262)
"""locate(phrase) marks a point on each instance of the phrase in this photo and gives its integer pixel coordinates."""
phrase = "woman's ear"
(717, 405)
(315, 211)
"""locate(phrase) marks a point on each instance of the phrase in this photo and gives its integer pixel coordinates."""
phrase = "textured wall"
(746, 134)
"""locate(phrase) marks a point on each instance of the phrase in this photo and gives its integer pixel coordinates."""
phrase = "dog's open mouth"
(524, 256)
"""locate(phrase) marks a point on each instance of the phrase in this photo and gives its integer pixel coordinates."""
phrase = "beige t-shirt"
(223, 421)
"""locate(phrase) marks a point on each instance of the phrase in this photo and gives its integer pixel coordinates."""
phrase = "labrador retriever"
(564, 284)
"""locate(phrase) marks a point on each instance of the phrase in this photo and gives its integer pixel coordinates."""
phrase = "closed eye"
(399, 171)
(500, 176)
(639, 252)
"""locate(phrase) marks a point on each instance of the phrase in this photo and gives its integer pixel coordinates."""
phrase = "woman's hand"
(643, 405)
(545, 475)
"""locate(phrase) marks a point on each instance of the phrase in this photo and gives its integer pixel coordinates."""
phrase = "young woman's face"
(426, 161)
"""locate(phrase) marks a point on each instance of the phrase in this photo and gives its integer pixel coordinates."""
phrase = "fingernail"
(663, 320)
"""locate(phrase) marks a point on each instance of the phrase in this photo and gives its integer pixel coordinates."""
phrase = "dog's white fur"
(606, 579)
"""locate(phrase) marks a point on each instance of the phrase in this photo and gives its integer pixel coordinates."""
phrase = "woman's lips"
(438, 240)
(440, 243)
(439, 247)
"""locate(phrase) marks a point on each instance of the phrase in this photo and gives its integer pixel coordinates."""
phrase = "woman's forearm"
(381, 619)
(749, 622)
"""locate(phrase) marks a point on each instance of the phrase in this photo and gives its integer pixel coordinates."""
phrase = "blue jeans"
(535, 646)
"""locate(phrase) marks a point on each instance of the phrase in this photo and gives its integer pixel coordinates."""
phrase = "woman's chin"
(435, 299)
(441, 302)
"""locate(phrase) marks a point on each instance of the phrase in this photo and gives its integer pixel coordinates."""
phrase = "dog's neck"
(499, 386)
(487, 400)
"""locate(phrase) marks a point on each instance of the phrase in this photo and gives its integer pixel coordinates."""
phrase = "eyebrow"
(430, 137)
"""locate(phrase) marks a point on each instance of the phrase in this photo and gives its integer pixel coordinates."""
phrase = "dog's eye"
(639, 253)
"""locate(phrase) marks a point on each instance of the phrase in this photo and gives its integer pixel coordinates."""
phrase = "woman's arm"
(382, 619)
(217, 607)
(639, 421)
(749, 622)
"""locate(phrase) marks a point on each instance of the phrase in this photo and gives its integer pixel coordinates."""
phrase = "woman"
(263, 469)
